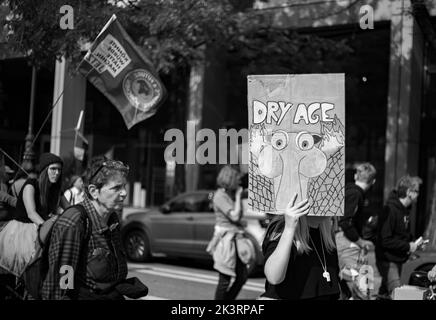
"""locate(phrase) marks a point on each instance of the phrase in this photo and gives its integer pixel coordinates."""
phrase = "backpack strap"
(88, 232)
(85, 216)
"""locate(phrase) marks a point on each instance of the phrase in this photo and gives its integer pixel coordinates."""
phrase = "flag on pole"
(119, 69)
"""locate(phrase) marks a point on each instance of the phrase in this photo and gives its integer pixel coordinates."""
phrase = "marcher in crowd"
(75, 193)
(394, 240)
(223, 246)
(7, 202)
(87, 238)
(38, 201)
(301, 260)
(8, 175)
(40, 198)
(352, 248)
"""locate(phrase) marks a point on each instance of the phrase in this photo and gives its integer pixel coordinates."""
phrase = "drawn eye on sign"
(297, 143)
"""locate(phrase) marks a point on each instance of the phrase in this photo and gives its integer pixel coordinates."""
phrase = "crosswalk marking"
(192, 276)
(212, 280)
(152, 298)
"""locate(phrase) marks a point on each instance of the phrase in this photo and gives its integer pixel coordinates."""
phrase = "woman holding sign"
(301, 260)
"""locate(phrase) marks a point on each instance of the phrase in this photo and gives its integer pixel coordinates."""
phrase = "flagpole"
(30, 139)
(29, 155)
(55, 104)
(12, 159)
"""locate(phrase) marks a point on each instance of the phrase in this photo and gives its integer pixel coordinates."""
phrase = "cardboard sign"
(297, 142)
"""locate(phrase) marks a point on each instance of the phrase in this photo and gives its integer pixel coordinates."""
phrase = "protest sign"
(297, 142)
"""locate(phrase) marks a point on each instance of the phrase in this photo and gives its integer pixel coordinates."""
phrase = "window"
(197, 202)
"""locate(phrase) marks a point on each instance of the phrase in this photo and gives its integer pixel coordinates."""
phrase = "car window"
(197, 202)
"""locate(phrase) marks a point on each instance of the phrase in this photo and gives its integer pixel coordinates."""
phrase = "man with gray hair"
(394, 240)
(349, 240)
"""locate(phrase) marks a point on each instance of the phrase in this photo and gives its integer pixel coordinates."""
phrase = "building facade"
(390, 101)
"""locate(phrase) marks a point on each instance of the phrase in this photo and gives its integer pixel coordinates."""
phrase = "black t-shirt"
(356, 212)
(20, 211)
(304, 276)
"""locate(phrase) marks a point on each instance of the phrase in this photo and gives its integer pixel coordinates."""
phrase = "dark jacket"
(7, 203)
(393, 235)
(354, 217)
(5, 198)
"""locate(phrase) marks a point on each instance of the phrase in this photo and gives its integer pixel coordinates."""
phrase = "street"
(180, 280)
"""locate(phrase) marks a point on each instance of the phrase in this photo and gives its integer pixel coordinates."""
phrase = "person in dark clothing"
(87, 238)
(394, 240)
(351, 246)
(7, 202)
(301, 260)
(20, 178)
(37, 204)
(40, 198)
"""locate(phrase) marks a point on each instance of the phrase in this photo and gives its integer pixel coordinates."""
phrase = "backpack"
(36, 272)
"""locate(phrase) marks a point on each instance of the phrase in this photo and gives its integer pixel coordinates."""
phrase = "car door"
(204, 224)
(173, 232)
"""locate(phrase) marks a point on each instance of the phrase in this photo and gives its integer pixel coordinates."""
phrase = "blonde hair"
(408, 182)
(302, 237)
(365, 172)
(228, 178)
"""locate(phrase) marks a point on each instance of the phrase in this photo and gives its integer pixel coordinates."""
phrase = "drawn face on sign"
(291, 158)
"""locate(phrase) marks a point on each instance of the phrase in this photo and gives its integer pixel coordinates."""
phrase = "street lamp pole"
(29, 155)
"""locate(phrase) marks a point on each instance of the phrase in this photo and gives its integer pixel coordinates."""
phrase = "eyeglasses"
(111, 164)
(55, 169)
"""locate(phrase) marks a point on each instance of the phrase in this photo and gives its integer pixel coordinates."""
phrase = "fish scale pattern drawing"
(261, 196)
(325, 191)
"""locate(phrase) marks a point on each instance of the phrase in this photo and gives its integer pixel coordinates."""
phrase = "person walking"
(223, 246)
(394, 240)
(75, 193)
(86, 238)
(352, 248)
(301, 260)
(38, 202)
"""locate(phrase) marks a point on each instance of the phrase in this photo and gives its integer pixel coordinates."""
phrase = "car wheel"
(137, 246)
